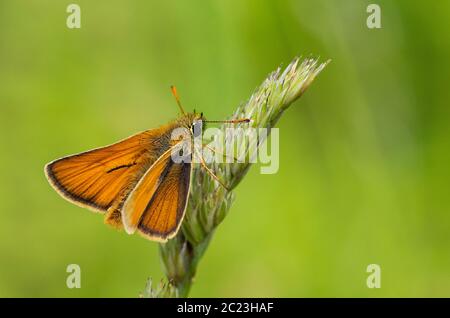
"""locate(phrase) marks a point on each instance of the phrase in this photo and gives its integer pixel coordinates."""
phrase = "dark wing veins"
(121, 167)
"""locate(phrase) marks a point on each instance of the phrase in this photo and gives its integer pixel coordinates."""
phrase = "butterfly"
(136, 183)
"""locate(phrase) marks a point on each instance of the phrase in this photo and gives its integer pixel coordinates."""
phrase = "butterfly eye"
(197, 128)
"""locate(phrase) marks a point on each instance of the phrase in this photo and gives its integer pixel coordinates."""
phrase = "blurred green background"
(364, 164)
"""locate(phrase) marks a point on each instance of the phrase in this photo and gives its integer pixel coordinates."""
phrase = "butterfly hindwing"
(156, 206)
(137, 201)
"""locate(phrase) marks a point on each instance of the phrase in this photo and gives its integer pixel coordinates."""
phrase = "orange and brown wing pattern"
(165, 211)
(99, 178)
(156, 206)
(138, 199)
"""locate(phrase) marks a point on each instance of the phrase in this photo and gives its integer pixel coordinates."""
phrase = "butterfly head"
(197, 124)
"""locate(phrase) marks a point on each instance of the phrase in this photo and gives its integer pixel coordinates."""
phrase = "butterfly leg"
(203, 163)
(220, 152)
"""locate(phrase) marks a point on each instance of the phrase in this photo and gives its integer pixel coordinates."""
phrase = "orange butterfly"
(135, 181)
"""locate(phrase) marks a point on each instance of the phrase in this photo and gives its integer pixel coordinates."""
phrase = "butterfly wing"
(101, 178)
(156, 206)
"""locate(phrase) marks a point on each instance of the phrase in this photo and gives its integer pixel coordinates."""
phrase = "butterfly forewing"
(99, 178)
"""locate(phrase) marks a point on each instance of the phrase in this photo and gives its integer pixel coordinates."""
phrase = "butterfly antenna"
(233, 121)
(177, 98)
